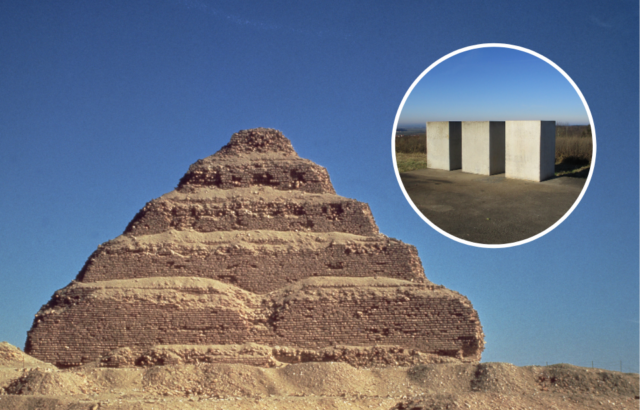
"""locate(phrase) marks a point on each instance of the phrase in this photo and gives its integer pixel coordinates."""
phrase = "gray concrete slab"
(530, 149)
(444, 145)
(490, 209)
(483, 145)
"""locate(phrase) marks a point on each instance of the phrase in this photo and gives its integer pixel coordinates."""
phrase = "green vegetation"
(410, 144)
(411, 152)
(410, 162)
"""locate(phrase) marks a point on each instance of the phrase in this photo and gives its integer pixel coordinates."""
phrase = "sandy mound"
(48, 382)
(11, 356)
(485, 386)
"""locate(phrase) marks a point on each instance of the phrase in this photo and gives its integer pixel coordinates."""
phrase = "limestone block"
(444, 145)
(483, 147)
(530, 149)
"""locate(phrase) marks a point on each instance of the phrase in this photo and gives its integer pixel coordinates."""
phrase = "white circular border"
(395, 164)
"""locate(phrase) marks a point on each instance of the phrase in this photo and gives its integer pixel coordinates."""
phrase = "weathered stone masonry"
(254, 246)
(335, 214)
(252, 263)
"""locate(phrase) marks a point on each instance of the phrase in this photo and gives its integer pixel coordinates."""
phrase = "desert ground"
(27, 383)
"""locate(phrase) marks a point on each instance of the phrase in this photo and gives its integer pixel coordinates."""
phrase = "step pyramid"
(254, 252)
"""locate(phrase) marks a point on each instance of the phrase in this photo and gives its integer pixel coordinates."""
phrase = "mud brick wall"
(80, 326)
(430, 323)
(78, 336)
(161, 215)
(87, 328)
(261, 271)
(297, 174)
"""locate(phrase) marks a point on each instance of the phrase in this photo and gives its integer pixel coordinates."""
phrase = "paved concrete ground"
(490, 209)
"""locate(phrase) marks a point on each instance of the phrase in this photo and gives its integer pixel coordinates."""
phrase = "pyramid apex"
(258, 140)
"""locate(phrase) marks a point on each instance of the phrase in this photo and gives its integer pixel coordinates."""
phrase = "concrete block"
(444, 145)
(483, 147)
(530, 149)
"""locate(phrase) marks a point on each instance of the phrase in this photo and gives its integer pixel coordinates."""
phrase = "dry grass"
(573, 130)
(411, 143)
(411, 152)
(410, 162)
(573, 149)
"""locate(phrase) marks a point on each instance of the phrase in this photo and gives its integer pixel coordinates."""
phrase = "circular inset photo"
(494, 145)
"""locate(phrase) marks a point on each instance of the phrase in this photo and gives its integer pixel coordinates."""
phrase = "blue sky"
(493, 84)
(104, 105)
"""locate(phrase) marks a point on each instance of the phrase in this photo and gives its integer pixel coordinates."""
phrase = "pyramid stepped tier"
(299, 174)
(254, 354)
(255, 247)
(257, 261)
(260, 157)
(88, 320)
(209, 210)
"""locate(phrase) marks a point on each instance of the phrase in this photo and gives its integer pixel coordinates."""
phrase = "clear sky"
(493, 84)
(104, 105)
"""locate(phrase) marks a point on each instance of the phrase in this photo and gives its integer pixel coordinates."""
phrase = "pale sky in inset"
(493, 84)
